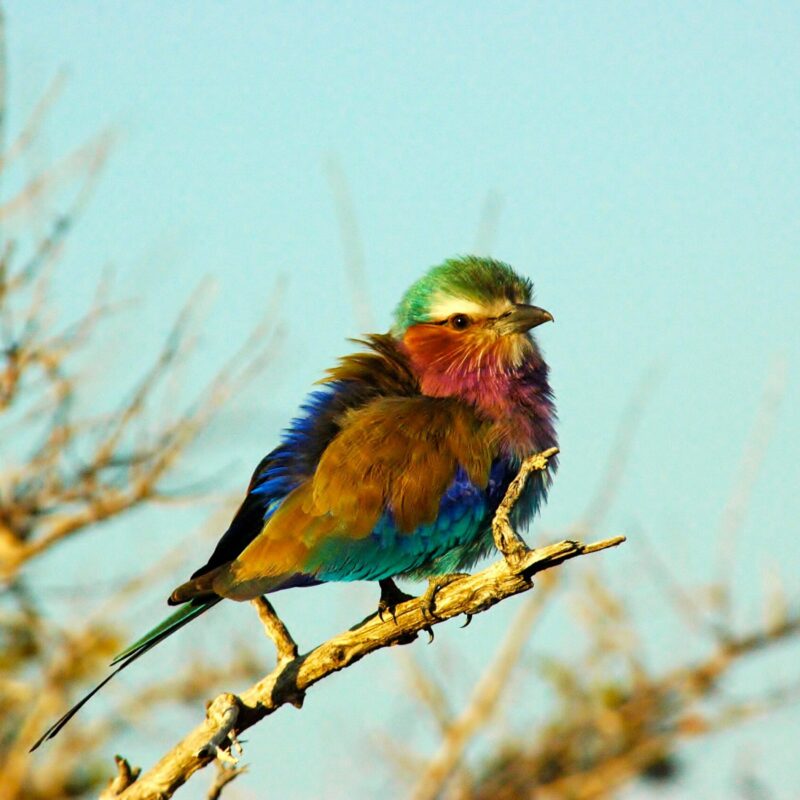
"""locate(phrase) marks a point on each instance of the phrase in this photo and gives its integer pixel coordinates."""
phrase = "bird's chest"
(518, 412)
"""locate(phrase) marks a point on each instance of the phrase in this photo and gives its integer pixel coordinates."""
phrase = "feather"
(153, 637)
(396, 463)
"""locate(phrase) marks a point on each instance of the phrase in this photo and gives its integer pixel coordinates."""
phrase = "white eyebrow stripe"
(445, 306)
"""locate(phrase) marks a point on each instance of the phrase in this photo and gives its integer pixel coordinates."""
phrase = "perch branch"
(506, 539)
(288, 682)
(294, 675)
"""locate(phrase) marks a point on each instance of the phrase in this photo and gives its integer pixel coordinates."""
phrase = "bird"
(397, 461)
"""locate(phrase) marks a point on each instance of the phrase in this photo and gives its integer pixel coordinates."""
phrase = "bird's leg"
(434, 585)
(391, 597)
(285, 645)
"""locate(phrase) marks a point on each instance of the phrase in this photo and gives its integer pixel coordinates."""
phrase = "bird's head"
(466, 322)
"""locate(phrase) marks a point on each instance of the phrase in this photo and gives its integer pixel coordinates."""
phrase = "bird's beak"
(522, 318)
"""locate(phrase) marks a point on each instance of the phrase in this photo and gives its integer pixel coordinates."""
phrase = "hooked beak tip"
(524, 317)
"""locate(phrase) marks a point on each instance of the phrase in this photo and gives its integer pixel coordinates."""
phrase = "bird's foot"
(391, 597)
(436, 584)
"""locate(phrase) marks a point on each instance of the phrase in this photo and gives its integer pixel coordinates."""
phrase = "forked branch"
(295, 674)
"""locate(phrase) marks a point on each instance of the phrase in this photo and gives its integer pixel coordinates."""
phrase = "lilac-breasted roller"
(395, 466)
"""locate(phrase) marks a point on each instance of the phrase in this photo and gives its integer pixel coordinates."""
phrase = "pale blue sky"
(648, 160)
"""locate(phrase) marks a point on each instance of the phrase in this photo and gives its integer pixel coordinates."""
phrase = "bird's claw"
(391, 597)
(434, 586)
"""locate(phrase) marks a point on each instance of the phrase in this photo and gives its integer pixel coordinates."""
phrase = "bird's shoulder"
(378, 370)
(400, 453)
(380, 366)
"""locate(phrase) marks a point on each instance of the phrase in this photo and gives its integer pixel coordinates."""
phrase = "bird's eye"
(459, 321)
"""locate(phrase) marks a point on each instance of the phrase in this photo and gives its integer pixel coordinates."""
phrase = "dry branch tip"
(126, 775)
(221, 717)
(506, 539)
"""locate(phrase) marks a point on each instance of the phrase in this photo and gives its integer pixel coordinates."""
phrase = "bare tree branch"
(488, 223)
(352, 246)
(506, 539)
(225, 774)
(289, 681)
(755, 451)
(619, 453)
(610, 728)
(66, 469)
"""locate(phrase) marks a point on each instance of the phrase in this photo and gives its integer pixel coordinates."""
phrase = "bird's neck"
(516, 399)
(524, 414)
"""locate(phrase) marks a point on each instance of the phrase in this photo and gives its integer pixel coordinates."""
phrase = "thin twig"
(746, 474)
(352, 246)
(487, 225)
(225, 774)
(506, 539)
(619, 454)
(124, 778)
(429, 691)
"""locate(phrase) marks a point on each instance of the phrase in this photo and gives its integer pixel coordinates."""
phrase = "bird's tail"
(172, 623)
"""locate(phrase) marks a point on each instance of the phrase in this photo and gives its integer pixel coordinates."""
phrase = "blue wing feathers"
(282, 470)
(459, 535)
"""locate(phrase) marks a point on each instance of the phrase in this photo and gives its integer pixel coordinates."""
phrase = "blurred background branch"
(616, 719)
(67, 467)
(675, 209)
